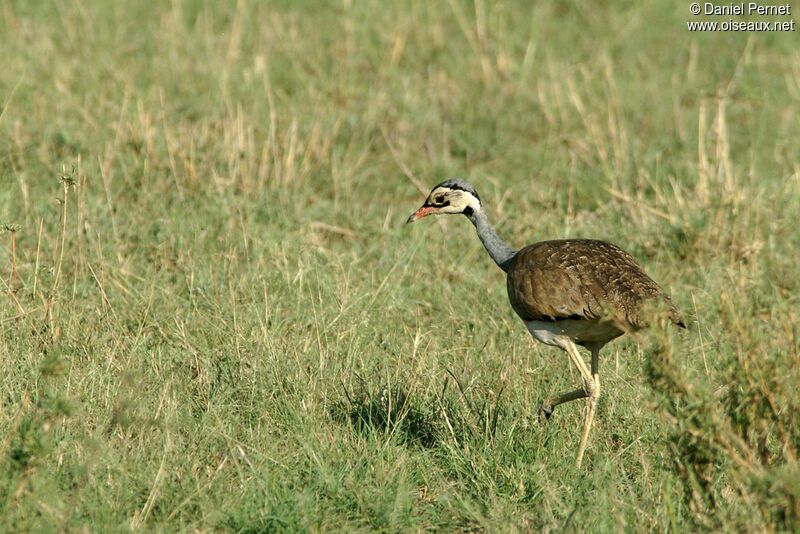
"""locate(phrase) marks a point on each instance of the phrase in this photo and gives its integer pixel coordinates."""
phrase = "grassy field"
(212, 316)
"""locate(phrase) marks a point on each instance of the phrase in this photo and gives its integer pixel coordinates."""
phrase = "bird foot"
(544, 412)
(589, 388)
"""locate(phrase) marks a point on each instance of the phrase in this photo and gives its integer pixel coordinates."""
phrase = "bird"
(568, 292)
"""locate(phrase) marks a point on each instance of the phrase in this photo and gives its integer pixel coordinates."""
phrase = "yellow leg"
(547, 407)
(590, 390)
(591, 403)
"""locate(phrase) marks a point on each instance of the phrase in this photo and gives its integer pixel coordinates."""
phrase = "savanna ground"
(213, 317)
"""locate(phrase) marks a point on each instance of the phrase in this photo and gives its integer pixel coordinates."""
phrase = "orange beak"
(424, 211)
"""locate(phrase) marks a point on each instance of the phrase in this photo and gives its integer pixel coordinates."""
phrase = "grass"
(212, 316)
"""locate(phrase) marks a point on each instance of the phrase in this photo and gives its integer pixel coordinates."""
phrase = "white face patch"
(446, 200)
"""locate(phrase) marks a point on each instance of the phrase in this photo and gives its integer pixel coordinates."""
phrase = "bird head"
(450, 196)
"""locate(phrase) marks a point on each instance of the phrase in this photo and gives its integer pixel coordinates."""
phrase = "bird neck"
(501, 253)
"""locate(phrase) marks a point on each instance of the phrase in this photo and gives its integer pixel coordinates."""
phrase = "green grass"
(212, 316)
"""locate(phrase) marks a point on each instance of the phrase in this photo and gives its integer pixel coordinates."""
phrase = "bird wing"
(581, 279)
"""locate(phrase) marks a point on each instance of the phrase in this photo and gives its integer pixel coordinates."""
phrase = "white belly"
(577, 331)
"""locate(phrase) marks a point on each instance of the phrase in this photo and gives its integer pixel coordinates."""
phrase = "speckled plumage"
(582, 279)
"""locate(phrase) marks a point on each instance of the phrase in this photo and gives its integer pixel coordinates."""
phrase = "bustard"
(568, 292)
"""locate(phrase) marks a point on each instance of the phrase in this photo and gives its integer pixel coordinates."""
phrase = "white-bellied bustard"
(568, 292)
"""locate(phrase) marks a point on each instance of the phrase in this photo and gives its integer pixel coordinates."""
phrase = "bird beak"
(420, 213)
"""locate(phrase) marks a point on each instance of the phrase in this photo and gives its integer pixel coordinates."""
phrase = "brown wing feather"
(581, 279)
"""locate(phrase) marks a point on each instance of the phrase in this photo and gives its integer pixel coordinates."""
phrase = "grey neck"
(498, 249)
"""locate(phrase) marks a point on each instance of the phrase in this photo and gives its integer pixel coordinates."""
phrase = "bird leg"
(590, 390)
(547, 407)
(591, 401)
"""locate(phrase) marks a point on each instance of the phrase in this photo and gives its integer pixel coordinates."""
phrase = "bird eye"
(439, 199)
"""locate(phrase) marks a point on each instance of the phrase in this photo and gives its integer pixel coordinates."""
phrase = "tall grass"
(212, 317)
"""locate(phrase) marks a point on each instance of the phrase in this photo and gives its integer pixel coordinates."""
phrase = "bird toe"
(545, 412)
